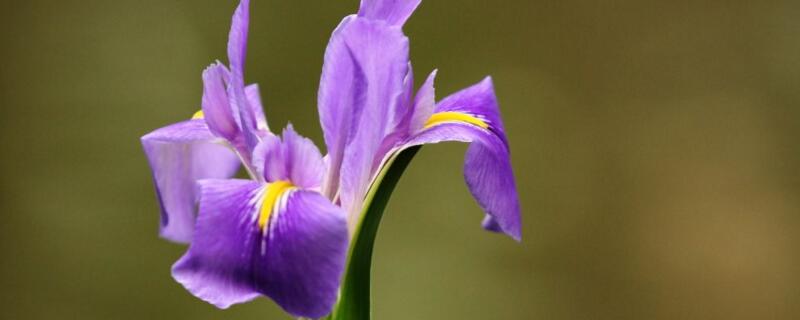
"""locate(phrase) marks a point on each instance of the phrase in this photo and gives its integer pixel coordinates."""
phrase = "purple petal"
(254, 99)
(487, 168)
(306, 165)
(237, 49)
(340, 100)
(479, 100)
(179, 155)
(424, 103)
(394, 12)
(297, 259)
(381, 53)
(217, 111)
(294, 159)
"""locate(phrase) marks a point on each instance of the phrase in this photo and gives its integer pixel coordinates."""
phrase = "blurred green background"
(654, 143)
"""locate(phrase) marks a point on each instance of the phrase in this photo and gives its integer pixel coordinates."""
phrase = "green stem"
(354, 298)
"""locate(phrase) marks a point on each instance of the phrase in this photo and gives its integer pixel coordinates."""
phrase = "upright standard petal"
(340, 100)
(393, 12)
(237, 51)
(179, 155)
(296, 257)
(381, 53)
(472, 115)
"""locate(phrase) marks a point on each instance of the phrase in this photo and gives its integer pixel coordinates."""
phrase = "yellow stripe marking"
(451, 116)
(198, 115)
(271, 196)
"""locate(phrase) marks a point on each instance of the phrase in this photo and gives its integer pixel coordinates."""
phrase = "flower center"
(451, 116)
(274, 192)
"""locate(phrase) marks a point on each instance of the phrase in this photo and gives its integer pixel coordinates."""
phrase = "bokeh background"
(654, 143)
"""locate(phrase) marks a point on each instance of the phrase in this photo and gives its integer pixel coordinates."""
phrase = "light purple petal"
(179, 155)
(394, 12)
(297, 259)
(254, 99)
(487, 168)
(341, 97)
(295, 159)
(381, 53)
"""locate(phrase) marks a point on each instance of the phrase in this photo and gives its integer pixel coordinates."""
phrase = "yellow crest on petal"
(452, 116)
(274, 191)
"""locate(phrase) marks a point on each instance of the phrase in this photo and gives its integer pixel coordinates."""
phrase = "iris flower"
(285, 232)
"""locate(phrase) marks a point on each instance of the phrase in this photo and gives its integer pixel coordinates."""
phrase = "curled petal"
(393, 12)
(296, 259)
(472, 116)
(217, 110)
(179, 155)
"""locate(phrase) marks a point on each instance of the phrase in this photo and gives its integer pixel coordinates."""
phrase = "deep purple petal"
(381, 53)
(305, 255)
(297, 259)
(179, 155)
(393, 12)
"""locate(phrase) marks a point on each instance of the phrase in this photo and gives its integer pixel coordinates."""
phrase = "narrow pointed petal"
(381, 53)
(237, 51)
(424, 103)
(179, 155)
(254, 99)
(297, 259)
(393, 12)
(487, 168)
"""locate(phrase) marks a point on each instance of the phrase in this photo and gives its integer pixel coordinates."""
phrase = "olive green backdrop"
(654, 144)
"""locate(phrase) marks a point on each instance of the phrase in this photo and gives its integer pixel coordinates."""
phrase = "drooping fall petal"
(472, 115)
(296, 258)
(179, 155)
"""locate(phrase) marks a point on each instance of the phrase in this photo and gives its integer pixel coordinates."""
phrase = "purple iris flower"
(284, 233)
